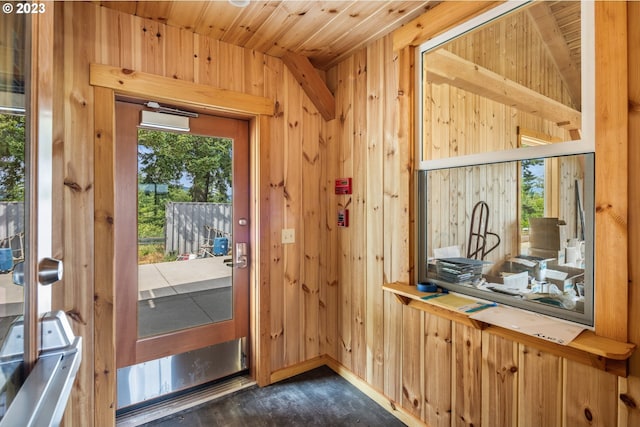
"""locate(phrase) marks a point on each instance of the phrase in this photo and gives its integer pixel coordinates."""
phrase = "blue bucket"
(6, 259)
(220, 246)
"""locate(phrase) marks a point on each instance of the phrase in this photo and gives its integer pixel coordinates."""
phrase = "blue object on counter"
(481, 307)
(427, 287)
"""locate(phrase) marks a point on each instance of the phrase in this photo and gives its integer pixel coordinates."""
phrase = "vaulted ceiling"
(326, 32)
(320, 34)
(323, 31)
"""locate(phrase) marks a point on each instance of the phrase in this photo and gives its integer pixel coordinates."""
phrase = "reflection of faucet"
(477, 245)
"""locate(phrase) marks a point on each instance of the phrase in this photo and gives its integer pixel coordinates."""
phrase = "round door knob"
(49, 271)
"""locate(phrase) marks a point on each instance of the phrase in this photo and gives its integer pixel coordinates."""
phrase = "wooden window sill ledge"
(587, 348)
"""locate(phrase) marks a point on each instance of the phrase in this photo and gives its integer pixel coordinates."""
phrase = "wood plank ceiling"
(323, 31)
(328, 31)
(320, 34)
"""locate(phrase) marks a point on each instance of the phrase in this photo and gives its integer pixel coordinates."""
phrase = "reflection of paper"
(448, 252)
(454, 301)
(517, 281)
(528, 323)
(556, 275)
(524, 262)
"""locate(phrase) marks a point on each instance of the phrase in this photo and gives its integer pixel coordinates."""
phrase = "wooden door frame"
(131, 349)
(109, 82)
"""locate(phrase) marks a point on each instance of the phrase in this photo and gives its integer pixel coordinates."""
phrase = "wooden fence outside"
(186, 225)
(11, 219)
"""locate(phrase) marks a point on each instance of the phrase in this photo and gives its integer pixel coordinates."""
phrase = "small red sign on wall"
(343, 186)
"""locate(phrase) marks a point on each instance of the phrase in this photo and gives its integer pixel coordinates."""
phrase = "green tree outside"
(176, 167)
(180, 160)
(531, 191)
(12, 138)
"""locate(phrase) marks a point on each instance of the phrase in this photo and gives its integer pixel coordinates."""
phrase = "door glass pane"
(13, 60)
(184, 231)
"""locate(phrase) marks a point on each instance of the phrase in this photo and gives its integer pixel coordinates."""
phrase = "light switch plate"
(288, 235)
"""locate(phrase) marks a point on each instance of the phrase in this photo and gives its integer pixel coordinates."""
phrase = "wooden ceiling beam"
(315, 88)
(446, 67)
(551, 35)
(437, 20)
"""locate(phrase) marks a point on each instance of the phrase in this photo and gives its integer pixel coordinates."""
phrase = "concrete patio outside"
(162, 279)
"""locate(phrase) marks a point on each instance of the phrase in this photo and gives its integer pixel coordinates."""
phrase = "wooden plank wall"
(444, 373)
(611, 172)
(296, 162)
(367, 128)
(630, 387)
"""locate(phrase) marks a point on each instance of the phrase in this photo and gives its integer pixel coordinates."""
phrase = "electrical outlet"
(288, 235)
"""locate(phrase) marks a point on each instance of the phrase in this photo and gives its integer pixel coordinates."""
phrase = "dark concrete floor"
(316, 398)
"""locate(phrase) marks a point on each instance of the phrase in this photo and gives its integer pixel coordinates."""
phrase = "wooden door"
(188, 194)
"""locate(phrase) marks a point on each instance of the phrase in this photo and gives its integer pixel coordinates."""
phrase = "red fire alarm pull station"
(343, 217)
(343, 186)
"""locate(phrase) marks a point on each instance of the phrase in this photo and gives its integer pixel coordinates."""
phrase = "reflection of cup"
(575, 243)
(572, 254)
(540, 270)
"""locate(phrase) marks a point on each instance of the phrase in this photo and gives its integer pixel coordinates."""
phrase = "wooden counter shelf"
(587, 348)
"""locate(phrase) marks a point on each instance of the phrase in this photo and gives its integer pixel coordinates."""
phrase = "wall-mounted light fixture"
(151, 119)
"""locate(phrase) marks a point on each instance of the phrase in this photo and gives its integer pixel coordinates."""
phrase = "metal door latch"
(241, 258)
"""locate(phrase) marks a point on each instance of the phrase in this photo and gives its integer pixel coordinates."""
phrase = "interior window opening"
(506, 173)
